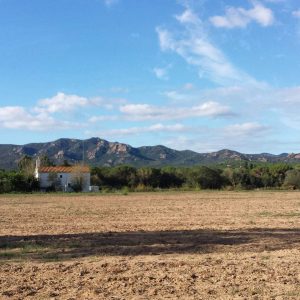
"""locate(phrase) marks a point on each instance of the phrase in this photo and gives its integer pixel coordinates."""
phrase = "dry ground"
(206, 245)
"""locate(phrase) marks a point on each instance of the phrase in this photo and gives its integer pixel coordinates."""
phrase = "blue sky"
(199, 75)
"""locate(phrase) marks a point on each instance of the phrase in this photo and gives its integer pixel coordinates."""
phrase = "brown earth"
(205, 245)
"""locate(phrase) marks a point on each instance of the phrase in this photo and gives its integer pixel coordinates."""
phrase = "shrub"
(292, 179)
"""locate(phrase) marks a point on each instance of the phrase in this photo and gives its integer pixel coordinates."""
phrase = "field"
(204, 245)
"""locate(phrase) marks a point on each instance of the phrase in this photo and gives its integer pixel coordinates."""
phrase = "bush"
(292, 179)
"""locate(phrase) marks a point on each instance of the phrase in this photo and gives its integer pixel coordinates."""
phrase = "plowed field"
(204, 245)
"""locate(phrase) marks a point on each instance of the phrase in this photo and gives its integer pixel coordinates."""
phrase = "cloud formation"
(141, 112)
(17, 117)
(236, 137)
(155, 128)
(43, 116)
(161, 73)
(245, 129)
(61, 103)
(193, 45)
(240, 17)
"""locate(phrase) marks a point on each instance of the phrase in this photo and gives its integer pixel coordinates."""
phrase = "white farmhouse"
(63, 176)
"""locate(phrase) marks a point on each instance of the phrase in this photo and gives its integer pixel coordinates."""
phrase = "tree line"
(242, 175)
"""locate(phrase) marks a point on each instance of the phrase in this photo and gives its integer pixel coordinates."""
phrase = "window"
(60, 176)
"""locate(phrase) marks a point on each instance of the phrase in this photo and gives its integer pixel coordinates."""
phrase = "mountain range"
(99, 152)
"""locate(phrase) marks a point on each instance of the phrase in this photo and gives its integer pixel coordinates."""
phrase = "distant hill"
(99, 152)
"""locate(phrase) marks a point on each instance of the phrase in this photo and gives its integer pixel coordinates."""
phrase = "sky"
(203, 75)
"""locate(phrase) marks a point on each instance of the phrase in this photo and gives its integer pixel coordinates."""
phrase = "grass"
(30, 252)
(9, 255)
(265, 214)
(20, 251)
(265, 257)
(279, 215)
(288, 215)
(126, 190)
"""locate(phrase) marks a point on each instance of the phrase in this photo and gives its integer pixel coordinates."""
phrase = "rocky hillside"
(99, 152)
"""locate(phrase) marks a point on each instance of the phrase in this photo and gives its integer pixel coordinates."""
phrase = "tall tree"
(26, 165)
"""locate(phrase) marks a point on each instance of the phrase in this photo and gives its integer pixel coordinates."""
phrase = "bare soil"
(204, 245)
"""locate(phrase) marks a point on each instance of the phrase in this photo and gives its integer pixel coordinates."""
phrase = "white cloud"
(188, 86)
(161, 73)
(188, 17)
(240, 17)
(278, 108)
(95, 119)
(280, 104)
(140, 112)
(195, 48)
(176, 95)
(61, 103)
(16, 117)
(166, 41)
(289, 96)
(40, 117)
(286, 105)
(221, 94)
(245, 129)
(296, 13)
(106, 103)
(231, 95)
(156, 128)
(244, 137)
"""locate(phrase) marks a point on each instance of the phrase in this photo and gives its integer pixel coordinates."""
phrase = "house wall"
(65, 179)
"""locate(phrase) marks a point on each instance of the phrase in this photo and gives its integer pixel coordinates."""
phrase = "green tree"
(278, 173)
(122, 176)
(204, 178)
(45, 161)
(292, 179)
(149, 177)
(55, 184)
(77, 178)
(26, 165)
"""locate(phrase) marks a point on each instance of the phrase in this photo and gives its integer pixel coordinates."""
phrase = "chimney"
(37, 163)
(37, 166)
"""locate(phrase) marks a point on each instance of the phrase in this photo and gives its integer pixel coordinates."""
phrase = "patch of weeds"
(7, 246)
(279, 215)
(293, 294)
(235, 291)
(265, 214)
(51, 256)
(32, 248)
(84, 212)
(22, 251)
(9, 255)
(125, 191)
(76, 245)
(106, 190)
(265, 257)
(289, 215)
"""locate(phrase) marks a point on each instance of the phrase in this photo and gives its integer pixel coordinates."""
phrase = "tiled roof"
(62, 169)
